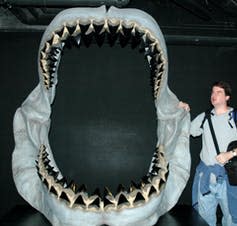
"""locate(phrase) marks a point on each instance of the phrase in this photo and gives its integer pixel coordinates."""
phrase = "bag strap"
(234, 115)
(213, 133)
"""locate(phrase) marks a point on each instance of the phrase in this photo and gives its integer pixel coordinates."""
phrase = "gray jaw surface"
(69, 204)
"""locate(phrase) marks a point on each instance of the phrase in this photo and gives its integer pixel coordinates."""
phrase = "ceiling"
(180, 20)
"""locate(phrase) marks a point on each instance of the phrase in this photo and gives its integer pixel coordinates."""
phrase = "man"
(211, 186)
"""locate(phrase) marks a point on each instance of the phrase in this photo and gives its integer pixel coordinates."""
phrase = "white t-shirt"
(225, 130)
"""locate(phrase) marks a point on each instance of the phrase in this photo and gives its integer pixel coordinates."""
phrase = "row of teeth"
(76, 196)
(110, 30)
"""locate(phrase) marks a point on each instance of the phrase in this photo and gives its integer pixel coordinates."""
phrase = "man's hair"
(223, 85)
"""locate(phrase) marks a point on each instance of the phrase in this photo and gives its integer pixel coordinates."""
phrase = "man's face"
(218, 97)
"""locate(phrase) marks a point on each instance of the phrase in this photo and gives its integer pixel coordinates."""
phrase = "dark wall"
(104, 105)
(18, 77)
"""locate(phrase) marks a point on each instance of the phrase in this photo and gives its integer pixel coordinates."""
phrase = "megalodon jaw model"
(36, 175)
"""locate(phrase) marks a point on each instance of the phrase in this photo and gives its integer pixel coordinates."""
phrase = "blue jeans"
(207, 204)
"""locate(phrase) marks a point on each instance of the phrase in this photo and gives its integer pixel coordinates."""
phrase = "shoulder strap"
(207, 113)
(213, 134)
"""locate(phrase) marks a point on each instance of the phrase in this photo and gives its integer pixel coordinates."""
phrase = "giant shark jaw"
(35, 172)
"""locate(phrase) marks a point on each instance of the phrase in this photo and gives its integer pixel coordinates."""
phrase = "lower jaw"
(144, 215)
(76, 197)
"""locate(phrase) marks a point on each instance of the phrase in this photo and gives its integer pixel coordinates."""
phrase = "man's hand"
(224, 157)
(184, 105)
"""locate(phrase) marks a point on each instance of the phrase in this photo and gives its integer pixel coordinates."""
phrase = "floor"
(180, 215)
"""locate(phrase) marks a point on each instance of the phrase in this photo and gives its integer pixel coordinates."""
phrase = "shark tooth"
(55, 40)
(122, 200)
(139, 199)
(156, 181)
(54, 174)
(108, 193)
(80, 201)
(73, 186)
(64, 196)
(76, 40)
(46, 48)
(62, 182)
(77, 30)
(53, 190)
(95, 203)
(152, 191)
(145, 180)
(91, 29)
(109, 200)
(65, 33)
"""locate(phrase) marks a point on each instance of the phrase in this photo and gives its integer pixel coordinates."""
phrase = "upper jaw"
(129, 16)
(78, 24)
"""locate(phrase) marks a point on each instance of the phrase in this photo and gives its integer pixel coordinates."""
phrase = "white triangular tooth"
(151, 37)
(122, 205)
(47, 47)
(145, 191)
(90, 29)
(56, 39)
(50, 181)
(106, 27)
(65, 33)
(43, 55)
(44, 64)
(77, 30)
(120, 28)
(156, 181)
(58, 188)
